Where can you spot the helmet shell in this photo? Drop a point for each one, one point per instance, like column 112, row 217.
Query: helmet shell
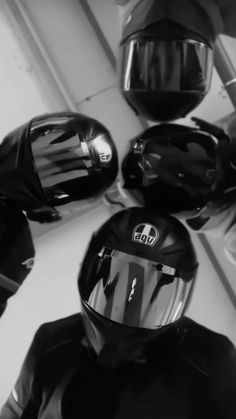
column 141, row 235
column 17, row 250
column 174, row 168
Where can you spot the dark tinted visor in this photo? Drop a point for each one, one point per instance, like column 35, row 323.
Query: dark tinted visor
column 136, row 292
column 59, row 154
column 186, row 163
column 166, row 65
column 69, row 165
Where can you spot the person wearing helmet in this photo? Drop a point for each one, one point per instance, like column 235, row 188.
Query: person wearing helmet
column 131, row 352
column 188, row 172
column 54, row 160
column 49, row 162
column 166, row 53
column 16, row 251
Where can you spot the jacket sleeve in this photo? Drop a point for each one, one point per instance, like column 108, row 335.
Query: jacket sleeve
column 224, row 380
column 214, row 354
column 25, row 390
column 26, row 398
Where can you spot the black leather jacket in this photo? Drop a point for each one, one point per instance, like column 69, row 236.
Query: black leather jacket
column 189, row 379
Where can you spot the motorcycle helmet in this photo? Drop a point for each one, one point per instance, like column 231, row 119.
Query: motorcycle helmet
column 166, row 66
column 16, row 251
column 135, row 281
column 177, row 169
column 56, row 159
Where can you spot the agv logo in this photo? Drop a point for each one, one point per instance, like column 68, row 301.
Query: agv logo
column 103, row 148
column 146, row 234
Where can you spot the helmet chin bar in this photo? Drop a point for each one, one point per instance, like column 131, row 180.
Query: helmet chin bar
column 113, row 349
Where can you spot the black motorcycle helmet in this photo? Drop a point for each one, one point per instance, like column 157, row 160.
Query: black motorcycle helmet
column 177, row 169
column 56, row 159
column 165, row 67
column 16, row 250
column 135, row 281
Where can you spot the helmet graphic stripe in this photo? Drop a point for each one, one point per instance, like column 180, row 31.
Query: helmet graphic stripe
column 134, row 295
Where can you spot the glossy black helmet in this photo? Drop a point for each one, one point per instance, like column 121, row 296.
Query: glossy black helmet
column 56, row 159
column 176, row 169
column 136, row 279
column 165, row 67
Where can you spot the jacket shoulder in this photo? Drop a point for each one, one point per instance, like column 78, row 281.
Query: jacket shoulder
column 214, row 355
column 206, row 348
column 58, row 332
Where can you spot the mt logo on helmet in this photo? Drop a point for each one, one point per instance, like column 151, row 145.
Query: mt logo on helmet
column 146, row 234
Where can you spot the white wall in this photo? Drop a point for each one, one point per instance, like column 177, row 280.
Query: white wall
column 20, row 98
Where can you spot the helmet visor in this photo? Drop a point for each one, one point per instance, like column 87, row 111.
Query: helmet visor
column 59, row 154
column 136, row 292
column 166, row 65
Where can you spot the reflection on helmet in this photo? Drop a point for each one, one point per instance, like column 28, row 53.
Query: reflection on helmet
column 174, row 169
column 136, row 279
column 165, row 70
column 56, row 159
